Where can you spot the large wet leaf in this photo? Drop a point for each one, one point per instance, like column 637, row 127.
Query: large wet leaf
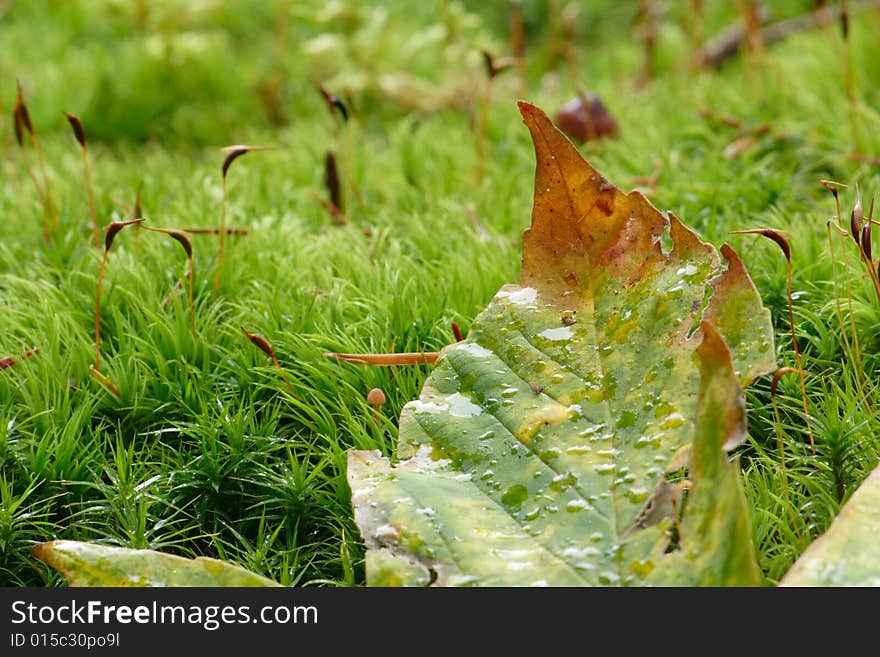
column 90, row 564
column 550, row 446
column 848, row 553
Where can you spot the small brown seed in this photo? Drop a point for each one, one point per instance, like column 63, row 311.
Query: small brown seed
column 375, row 398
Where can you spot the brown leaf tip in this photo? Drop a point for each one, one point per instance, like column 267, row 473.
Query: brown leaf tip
column 331, row 180
column 179, row 235
column 21, row 114
column 236, row 151
column 778, row 374
column 114, row 227
column 334, row 104
column 17, row 125
column 495, row 65
column 866, row 241
column 777, row 236
column 260, row 342
column 77, row 126
column 41, row 551
column 856, row 217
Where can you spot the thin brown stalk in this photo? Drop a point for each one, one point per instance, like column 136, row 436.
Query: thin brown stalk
column 27, row 165
column 335, row 106
column 569, row 21
column 183, row 239
column 137, row 211
column 26, row 122
column 518, row 42
column 210, row 230
column 647, row 29
column 266, row 347
column 92, row 210
column 779, row 441
column 178, row 284
column 865, row 251
column 848, row 76
column 222, row 236
column 854, row 347
column 101, row 269
column 112, row 229
column 749, row 11
column 352, row 188
column 404, row 358
column 7, row 144
column 331, row 209
column 782, row 242
column 104, row 381
column 694, row 24
column 493, row 68
column 340, row 115
column 232, row 153
column 483, row 126
column 860, row 230
column 852, row 320
column 21, row 122
column 80, row 135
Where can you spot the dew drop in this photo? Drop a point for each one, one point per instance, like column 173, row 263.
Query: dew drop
column 557, row 334
column 563, row 481
column 672, row 420
column 637, row 494
column 608, row 578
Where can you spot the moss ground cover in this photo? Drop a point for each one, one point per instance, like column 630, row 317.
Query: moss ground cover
column 207, row 450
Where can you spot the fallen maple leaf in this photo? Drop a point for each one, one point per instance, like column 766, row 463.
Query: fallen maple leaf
column 543, row 448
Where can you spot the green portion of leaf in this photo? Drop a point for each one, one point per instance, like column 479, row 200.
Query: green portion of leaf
column 539, row 449
column 425, row 518
column 848, row 554
column 90, row 564
column 715, row 548
column 390, row 570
